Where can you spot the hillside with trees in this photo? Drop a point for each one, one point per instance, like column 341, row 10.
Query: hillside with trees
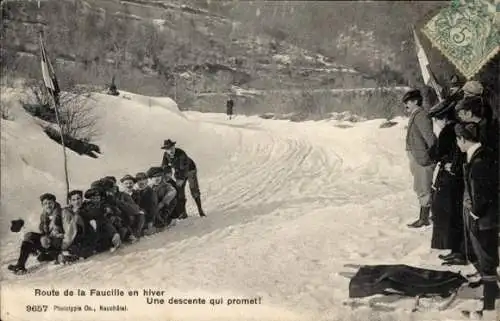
column 198, row 52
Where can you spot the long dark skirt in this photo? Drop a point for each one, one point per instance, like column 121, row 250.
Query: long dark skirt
column 447, row 232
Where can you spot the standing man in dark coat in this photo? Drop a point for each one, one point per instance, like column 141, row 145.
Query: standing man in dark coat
column 481, row 209
column 229, row 108
column 185, row 171
column 419, row 139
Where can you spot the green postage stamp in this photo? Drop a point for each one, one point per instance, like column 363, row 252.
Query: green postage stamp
column 466, row 33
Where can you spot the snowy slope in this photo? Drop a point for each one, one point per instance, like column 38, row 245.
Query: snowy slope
column 288, row 204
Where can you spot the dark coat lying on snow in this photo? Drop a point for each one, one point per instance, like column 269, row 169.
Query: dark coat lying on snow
column 76, row 145
column 404, row 280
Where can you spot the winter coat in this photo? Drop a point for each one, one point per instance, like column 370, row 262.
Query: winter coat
column 489, row 135
column 51, row 224
column 126, row 204
column 181, row 163
column 481, row 187
column 420, row 137
column 166, row 192
column 72, row 222
column 92, row 211
column 135, row 196
column 445, row 150
column 147, row 201
column 446, row 205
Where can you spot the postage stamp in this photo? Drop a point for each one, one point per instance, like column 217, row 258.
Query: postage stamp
column 466, row 33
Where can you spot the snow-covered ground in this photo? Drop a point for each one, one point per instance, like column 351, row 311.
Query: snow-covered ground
column 288, row 204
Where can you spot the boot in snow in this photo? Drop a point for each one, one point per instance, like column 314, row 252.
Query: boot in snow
column 423, row 220
column 66, row 258
column 490, row 294
column 132, row 238
column 182, row 209
column 116, row 242
column 197, row 200
column 17, row 269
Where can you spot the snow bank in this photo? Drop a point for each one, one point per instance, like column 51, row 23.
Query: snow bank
column 132, row 132
column 288, row 204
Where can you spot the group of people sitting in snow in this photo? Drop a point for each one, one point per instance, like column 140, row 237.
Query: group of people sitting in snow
column 106, row 216
column 453, row 153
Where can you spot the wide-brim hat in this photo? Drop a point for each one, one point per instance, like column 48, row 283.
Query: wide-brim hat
column 445, row 106
column 168, row 144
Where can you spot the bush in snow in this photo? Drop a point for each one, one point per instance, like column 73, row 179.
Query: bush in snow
column 77, row 111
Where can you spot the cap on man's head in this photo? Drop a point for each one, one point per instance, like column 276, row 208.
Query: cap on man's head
column 97, row 183
column 47, row 196
column 471, row 103
column 75, row 192
column 473, row 87
column 111, row 178
column 127, row 178
column 468, row 131
column 93, row 191
column 413, row 94
column 141, row 176
column 155, row 171
column 106, row 184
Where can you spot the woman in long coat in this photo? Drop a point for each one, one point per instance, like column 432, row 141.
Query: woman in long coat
column 446, row 206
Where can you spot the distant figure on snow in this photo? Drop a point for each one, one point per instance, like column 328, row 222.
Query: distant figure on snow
column 229, row 108
column 419, row 139
column 113, row 91
column 185, row 170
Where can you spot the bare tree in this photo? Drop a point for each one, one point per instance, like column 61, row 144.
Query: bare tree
column 78, row 116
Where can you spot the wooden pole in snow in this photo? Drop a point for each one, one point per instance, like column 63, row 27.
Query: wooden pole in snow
column 50, row 81
column 58, row 119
